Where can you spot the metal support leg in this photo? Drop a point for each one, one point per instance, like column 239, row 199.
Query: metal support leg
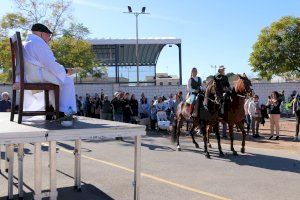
column 10, row 160
column 6, row 155
column 77, row 171
column 20, row 170
column 52, row 162
column 137, row 167
column 37, row 171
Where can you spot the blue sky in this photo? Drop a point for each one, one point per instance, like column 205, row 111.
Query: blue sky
column 213, row 32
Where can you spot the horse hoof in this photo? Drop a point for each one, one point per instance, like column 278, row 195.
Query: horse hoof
column 221, row 154
column 242, row 150
column 235, row 153
column 209, row 145
column 207, row 156
column 178, row 148
column 197, row 146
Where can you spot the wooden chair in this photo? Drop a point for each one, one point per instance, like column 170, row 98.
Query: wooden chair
column 18, row 68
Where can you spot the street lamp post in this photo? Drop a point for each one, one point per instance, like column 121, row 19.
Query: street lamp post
column 137, row 36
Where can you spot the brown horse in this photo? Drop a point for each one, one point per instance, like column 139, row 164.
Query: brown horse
column 212, row 116
column 182, row 113
column 234, row 113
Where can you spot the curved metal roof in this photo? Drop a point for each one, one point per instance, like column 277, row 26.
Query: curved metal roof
column 121, row 52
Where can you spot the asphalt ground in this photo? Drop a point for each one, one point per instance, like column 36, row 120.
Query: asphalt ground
column 259, row 174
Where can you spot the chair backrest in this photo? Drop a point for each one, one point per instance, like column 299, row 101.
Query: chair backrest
column 17, row 58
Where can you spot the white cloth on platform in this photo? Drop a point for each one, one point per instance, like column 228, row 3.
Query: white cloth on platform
column 41, row 66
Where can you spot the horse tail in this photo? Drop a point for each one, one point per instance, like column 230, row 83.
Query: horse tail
column 174, row 130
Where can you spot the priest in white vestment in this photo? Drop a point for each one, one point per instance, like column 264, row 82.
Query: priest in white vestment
column 41, row 66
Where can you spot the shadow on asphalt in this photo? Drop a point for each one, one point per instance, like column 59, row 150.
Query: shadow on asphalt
column 150, row 146
column 267, row 162
column 89, row 192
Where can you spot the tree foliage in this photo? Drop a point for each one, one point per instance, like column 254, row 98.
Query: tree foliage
column 78, row 31
column 5, row 60
column 69, row 45
column 54, row 14
column 75, row 53
column 277, row 50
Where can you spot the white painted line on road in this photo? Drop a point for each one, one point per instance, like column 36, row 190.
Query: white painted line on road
column 153, row 177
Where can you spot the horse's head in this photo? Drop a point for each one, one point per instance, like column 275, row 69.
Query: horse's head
column 214, row 87
column 243, row 85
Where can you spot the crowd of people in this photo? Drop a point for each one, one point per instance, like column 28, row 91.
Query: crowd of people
column 256, row 113
column 125, row 107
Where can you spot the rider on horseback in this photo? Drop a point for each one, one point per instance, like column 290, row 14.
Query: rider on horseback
column 225, row 85
column 193, row 87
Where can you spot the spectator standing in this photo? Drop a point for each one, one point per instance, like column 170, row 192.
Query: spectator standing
column 144, row 108
column 143, row 97
column 127, row 112
column 180, row 95
column 153, row 117
column 176, row 102
column 247, row 115
column 5, row 105
column 160, row 105
column 170, row 105
column 98, row 105
column 264, row 114
column 117, row 104
column 86, row 102
column 90, row 107
column 106, row 109
column 134, row 104
column 224, row 129
column 254, row 110
column 274, row 113
column 296, row 112
column 80, row 106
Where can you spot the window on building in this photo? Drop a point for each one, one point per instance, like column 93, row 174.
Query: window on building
column 170, row 83
column 161, row 83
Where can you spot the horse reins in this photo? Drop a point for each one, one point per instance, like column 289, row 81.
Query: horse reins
column 212, row 100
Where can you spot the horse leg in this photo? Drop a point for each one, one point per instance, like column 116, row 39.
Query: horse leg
column 205, row 137
column 231, row 139
column 209, row 130
column 241, row 127
column 179, row 122
column 192, row 131
column 174, row 131
column 221, row 154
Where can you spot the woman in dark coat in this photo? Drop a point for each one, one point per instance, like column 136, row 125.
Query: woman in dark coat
column 127, row 109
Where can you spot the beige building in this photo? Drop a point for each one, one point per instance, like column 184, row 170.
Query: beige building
column 164, row 79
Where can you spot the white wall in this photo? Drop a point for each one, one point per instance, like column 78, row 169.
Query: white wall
column 263, row 90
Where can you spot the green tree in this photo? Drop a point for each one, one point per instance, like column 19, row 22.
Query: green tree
column 75, row 53
column 277, row 50
column 54, row 14
column 78, row 31
column 71, row 50
column 5, row 60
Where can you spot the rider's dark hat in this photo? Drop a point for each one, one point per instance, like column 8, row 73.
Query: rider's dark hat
column 41, row 28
